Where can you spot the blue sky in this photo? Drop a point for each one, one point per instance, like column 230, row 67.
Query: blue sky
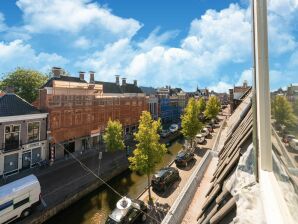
column 177, row 43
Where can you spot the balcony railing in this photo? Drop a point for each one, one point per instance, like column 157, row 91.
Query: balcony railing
column 11, row 147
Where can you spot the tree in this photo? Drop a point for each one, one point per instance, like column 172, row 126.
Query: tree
column 24, row 82
column 295, row 107
column 113, row 137
column 212, row 107
column 282, row 111
column 201, row 105
column 149, row 151
column 190, row 120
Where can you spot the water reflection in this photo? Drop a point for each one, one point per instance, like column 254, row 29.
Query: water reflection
column 95, row 207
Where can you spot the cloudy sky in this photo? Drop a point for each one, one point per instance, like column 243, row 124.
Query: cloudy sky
column 169, row 42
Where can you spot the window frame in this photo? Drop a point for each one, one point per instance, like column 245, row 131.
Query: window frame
column 39, row 126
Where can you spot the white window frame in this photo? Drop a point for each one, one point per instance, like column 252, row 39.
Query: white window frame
column 38, row 130
column 20, row 131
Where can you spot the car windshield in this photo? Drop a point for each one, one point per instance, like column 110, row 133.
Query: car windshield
column 181, row 154
column 160, row 173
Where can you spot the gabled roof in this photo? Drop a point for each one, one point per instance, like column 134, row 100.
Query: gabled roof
column 13, row 105
column 49, row 83
column 109, row 87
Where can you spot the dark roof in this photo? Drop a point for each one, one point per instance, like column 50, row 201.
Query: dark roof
column 13, row 105
column 49, row 83
column 130, row 88
column 109, row 87
column 148, row 90
column 220, row 205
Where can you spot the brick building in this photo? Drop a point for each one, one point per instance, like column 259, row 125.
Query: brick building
column 237, row 94
column 79, row 110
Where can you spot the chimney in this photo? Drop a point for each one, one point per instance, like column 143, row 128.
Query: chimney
column 135, row 82
column 91, row 77
column 123, row 81
column 56, row 72
column 117, row 80
column 82, row 74
column 245, row 83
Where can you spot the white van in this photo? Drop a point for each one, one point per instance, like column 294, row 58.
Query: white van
column 294, row 144
column 18, row 198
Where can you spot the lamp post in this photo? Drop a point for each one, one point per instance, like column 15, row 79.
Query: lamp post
column 99, row 158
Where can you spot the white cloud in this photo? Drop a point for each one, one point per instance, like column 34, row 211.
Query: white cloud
column 82, row 42
column 73, row 16
column 246, row 75
column 2, row 22
column 17, row 54
column 221, row 87
column 155, row 39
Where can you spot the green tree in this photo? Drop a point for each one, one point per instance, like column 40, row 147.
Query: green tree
column 149, row 151
column 24, row 82
column 201, row 105
column 282, row 111
column 212, row 107
column 295, row 107
column 113, row 137
column 190, row 120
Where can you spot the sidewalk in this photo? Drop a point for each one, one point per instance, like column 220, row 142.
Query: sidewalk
column 67, row 181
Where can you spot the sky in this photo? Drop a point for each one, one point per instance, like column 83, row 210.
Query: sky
column 204, row 43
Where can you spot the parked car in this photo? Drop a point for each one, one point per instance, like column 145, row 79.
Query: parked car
column 18, row 198
column 173, row 128
column 183, row 158
column 164, row 133
column 200, row 139
column 287, row 138
column 128, row 211
column 210, row 129
column 205, row 132
column 164, row 178
column 294, row 144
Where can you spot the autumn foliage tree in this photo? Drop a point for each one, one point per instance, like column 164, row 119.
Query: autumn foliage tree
column 149, row 152
column 113, row 137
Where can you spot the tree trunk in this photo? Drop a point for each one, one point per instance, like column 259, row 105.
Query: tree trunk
column 149, row 190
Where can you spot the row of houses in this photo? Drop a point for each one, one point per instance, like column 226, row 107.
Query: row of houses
column 71, row 113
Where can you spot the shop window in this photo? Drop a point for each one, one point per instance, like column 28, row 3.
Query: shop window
column 33, row 131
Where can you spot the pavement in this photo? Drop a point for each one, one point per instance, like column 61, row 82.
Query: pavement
column 162, row 202
column 67, row 177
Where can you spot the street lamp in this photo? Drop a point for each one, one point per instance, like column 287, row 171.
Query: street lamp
column 99, row 158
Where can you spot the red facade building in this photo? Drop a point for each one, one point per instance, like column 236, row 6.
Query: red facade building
column 79, row 110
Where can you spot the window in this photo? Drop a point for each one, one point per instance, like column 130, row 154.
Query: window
column 12, row 137
column 20, row 203
column 33, row 131
column 6, row 205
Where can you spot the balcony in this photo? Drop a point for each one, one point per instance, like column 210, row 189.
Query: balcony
column 12, row 146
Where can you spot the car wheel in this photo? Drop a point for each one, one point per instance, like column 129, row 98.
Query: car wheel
column 26, row 213
column 144, row 217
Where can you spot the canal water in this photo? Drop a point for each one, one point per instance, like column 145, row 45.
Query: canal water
column 95, row 207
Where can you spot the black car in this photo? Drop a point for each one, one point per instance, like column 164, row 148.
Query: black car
column 183, row 158
column 164, row 178
column 133, row 211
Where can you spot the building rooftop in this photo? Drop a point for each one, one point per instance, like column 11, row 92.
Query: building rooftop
column 13, row 105
column 49, row 83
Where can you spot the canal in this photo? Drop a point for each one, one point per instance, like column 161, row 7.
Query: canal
column 95, row 207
